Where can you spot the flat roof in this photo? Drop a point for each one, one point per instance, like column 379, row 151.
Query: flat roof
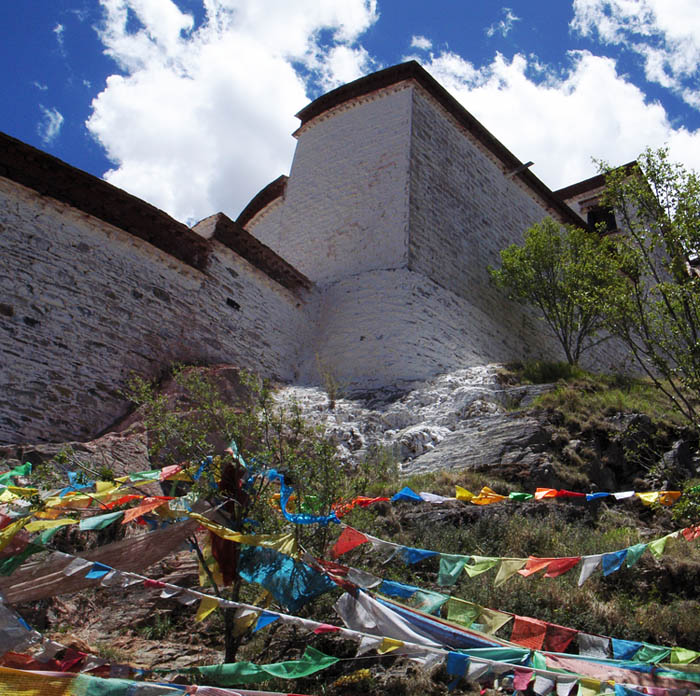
column 53, row 177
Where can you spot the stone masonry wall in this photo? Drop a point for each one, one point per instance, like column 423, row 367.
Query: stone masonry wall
column 464, row 209
column 390, row 328
column 82, row 304
column 345, row 208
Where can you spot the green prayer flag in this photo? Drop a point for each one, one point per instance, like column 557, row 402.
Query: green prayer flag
column 491, row 619
column 153, row 475
column 99, row 521
column 538, row 660
column 657, row 546
column 520, row 496
column 651, row 653
column 634, row 553
column 480, row 565
column 247, row 672
column 683, row 656
column 427, row 601
column 21, row 470
column 450, row 568
column 462, row 612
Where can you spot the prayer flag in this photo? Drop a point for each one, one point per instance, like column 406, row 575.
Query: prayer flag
column 348, row 540
column 528, row 632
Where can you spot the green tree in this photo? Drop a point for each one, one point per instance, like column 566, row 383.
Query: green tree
column 656, row 310
column 267, row 436
column 562, row 270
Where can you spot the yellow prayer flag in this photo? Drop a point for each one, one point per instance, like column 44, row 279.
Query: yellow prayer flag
column 8, row 533
column 40, row 525
column 206, row 607
column 508, row 568
column 389, row 645
column 588, row 686
column 648, row 498
column 463, row 493
column 487, row 496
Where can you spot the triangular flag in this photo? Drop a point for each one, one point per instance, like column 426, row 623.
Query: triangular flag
column 557, row 638
column 450, row 568
column 559, row 566
column 683, row 656
column 658, row 545
column 613, row 561
column 543, row 685
column 624, row 649
column 588, row 686
column 588, row 565
column 534, row 565
column 634, row 553
column 463, row 494
column 479, row 565
column 348, row 540
column 265, row 619
column 368, row 643
column 528, row 632
column 508, row 568
column 462, row 612
column 486, row 497
column 593, row 646
column 206, row 606
column 389, row 645
column 521, row 678
column 491, row 619
column 564, row 685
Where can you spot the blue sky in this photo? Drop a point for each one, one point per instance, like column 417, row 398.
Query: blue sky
column 190, row 104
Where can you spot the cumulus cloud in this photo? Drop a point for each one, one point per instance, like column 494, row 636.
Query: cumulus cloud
column 663, row 33
column 504, row 26
column 562, row 121
column 421, row 43
column 202, row 118
column 50, row 124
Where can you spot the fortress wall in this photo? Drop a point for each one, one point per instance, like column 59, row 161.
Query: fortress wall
column 384, row 328
column 464, row 210
column 345, row 208
column 83, row 303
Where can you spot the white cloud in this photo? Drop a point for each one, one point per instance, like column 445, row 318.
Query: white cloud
column 663, row 33
column 561, row 122
column 201, row 119
column 58, row 30
column 40, row 86
column 421, row 43
column 505, row 25
column 50, row 125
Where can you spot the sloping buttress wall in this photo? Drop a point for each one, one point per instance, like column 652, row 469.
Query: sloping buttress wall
column 345, row 208
column 83, row 304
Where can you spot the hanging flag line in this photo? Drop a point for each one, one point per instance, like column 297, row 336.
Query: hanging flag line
column 526, row 631
column 416, row 649
column 452, row 565
column 38, row 683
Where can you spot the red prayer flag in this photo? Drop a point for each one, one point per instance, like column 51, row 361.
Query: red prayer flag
column 559, row 566
column 535, row 564
column 167, row 471
column 521, row 678
column 155, row 584
column 348, row 540
column 557, row 638
column 326, row 628
column 570, row 494
column 528, row 632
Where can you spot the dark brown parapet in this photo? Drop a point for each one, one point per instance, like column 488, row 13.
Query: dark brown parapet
column 52, row 177
column 264, row 197
column 232, row 235
column 411, row 70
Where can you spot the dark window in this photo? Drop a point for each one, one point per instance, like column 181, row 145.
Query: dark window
column 604, row 215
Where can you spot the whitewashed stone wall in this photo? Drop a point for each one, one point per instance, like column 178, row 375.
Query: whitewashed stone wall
column 389, row 328
column 345, row 209
column 82, row 304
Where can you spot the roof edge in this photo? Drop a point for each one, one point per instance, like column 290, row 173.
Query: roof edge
column 412, row 70
column 50, row 176
column 275, row 189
